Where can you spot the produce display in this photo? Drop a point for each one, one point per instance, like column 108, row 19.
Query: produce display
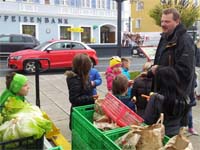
column 20, row 119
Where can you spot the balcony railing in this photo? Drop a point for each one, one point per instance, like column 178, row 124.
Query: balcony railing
column 47, row 9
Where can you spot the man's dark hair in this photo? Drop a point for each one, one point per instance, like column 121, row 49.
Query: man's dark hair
column 173, row 11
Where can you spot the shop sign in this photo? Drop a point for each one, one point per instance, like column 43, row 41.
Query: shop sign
column 31, row 19
column 75, row 29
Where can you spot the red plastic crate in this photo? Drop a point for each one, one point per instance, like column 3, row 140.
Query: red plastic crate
column 119, row 112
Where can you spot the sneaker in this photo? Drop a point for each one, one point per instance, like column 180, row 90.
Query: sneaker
column 192, row 131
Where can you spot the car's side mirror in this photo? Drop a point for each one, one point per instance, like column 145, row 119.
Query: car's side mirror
column 48, row 49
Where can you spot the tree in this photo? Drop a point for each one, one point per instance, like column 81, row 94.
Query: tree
column 189, row 11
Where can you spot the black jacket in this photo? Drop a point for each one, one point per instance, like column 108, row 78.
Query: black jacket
column 142, row 85
column 177, row 50
column 77, row 95
column 155, row 107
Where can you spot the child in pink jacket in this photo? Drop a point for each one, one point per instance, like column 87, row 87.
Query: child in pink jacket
column 112, row 71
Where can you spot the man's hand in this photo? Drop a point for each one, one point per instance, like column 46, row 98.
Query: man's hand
column 153, row 69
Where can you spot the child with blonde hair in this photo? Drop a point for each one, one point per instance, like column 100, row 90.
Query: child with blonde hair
column 112, row 71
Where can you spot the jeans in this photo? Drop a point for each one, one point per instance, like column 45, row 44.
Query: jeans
column 190, row 119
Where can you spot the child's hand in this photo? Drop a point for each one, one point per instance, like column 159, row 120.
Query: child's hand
column 143, row 74
column 145, row 96
column 130, row 83
column 95, row 97
column 134, row 100
column 93, row 83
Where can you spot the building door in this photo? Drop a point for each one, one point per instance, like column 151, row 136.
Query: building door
column 107, row 34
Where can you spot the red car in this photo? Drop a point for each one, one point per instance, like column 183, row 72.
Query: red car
column 60, row 54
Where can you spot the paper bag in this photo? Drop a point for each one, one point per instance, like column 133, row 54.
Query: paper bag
column 179, row 142
column 129, row 140
column 152, row 136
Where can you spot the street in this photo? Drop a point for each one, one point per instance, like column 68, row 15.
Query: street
column 136, row 64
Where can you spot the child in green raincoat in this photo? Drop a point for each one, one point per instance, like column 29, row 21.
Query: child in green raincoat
column 16, row 86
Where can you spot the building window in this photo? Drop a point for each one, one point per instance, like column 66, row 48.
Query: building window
column 86, row 3
column 64, row 2
column 56, row 2
column 113, row 5
column 108, row 4
column 46, row 2
column 93, row 3
column 29, row 29
column 65, row 34
column 101, row 4
column 86, row 35
column 139, row 6
column 138, row 23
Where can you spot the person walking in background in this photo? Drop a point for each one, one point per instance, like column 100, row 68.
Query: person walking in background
column 125, row 71
column 177, row 50
column 192, row 95
column 169, row 100
column 120, row 89
column 142, row 85
column 197, row 69
column 112, row 71
column 16, row 86
column 78, row 82
column 95, row 79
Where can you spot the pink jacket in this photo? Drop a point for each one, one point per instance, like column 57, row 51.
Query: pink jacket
column 110, row 75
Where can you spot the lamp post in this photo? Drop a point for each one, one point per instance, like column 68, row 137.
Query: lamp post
column 119, row 18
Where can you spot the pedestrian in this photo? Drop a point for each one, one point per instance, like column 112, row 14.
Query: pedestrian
column 95, row 79
column 16, row 86
column 78, row 82
column 197, row 69
column 120, row 89
column 175, row 49
column 169, row 100
column 142, row 86
column 112, row 71
column 125, row 71
column 190, row 117
column 192, row 94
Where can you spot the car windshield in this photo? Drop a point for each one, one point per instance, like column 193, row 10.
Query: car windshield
column 41, row 46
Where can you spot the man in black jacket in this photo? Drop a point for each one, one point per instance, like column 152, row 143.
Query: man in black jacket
column 176, row 48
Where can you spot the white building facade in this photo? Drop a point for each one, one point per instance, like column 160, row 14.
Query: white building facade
column 89, row 21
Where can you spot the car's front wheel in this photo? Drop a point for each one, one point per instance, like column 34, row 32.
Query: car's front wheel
column 29, row 67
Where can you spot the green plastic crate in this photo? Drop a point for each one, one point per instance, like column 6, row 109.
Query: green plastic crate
column 56, row 148
column 82, row 125
column 78, row 143
column 86, row 136
column 111, row 137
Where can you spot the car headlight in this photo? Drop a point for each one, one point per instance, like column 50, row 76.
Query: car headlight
column 16, row 57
